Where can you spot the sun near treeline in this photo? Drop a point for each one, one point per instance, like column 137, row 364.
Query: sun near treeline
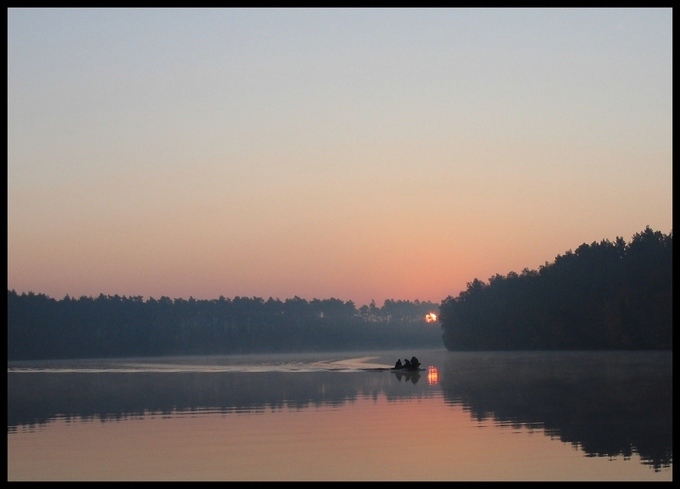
column 607, row 295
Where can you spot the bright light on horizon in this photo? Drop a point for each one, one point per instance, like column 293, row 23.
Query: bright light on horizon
column 430, row 317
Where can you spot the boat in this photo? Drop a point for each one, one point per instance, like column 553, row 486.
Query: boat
column 408, row 374
column 409, row 366
column 408, row 369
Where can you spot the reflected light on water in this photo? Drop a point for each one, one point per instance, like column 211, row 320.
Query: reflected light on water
column 492, row 416
column 432, row 375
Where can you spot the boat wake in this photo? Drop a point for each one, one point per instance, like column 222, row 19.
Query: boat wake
column 222, row 364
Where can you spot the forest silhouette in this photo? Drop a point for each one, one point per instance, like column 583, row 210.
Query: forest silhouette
column 40, row 327
column 602, row 296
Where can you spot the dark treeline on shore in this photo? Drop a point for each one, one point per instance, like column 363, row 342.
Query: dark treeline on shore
column 602, row 296
column 40, row 327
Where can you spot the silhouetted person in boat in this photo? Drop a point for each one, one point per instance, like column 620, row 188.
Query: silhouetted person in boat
column 414, row 362
column 407, row 364
column 398, row 364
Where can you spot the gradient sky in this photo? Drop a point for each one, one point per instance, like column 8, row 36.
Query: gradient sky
column 357, row 154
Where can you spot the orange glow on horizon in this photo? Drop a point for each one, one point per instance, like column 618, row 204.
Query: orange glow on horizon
column 430, row 317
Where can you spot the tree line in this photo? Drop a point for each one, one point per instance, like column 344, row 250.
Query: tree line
column 606, row 295
column 41, row 327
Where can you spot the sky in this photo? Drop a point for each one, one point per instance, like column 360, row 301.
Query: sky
column 356, row 154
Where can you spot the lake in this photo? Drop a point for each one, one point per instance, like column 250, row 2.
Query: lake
column 468, row 416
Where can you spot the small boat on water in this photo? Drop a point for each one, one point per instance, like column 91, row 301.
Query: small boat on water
column 412, row 365
column 411, row 374
column 408, row 369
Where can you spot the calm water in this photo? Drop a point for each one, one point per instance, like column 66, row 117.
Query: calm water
column 468, row 416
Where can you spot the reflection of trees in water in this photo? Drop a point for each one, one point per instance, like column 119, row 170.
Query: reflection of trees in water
column 609, row 404
column 37, row 398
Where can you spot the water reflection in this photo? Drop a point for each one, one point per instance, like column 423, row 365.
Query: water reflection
column 37, row 398
column 432, row 375
column 407, row 376
column 607, row 404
